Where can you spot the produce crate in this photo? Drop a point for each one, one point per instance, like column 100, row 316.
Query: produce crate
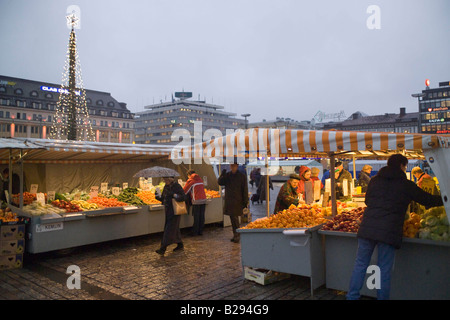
column 292, row 251
column 12, row 232
column 420, row 268
column 9, row 247
column 11, row 261
column 264, row 277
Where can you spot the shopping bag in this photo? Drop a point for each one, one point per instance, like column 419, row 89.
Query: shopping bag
column 179, row 208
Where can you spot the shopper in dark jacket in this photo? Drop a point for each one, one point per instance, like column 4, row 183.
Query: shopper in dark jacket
column 236, row 196
column 172, row 234
column 387, row 199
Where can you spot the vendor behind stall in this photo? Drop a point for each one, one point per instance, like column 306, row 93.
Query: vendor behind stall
column 15, row 184
column 340, row 175
column 287, row 194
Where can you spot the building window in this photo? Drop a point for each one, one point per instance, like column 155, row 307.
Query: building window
column 111, row 104
column 99, row 102
column 33, row 94
column 49, row 96
column 18, row 91
column 2, row 89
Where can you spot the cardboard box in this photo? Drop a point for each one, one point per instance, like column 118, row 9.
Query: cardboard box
column 12, row 232
column 11, row 247
column 11, row 261
column 263, row 276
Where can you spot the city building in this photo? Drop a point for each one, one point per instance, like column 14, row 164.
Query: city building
column 27, row 108
column 434, row 108
column 281, row 123
column 401, row 122
column 157, row 123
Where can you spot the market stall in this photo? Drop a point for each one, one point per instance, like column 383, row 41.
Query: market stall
column 92, row 189
column 261, row 144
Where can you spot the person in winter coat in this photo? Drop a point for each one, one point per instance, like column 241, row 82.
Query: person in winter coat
column 364, row 178
column 420, row 175
column 261, row 191
column 236, row 196
column 340, row 175
column 172, row 234
column 387, row 198
column 195, row 190
column 305, row 185
column 288, row 194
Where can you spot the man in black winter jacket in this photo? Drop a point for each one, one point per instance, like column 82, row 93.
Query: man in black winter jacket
column 387, row 198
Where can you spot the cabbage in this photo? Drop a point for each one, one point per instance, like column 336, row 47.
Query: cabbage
column 434, row 212
column 443, row 219
column 425, row 233
column 436, row 237
column 431, row 221
column 439, row 229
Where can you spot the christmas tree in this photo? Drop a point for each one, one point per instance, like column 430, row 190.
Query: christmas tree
column 71, row 119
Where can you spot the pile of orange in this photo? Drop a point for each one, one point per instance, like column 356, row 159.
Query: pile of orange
column 411, row 226
column 7, row 216
column 212, row 194
column 107, row 202
column 28, row 198
column 148, row 197
column 294, row 217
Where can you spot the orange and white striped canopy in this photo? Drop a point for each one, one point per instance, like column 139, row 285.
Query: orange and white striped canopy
column 260, row 142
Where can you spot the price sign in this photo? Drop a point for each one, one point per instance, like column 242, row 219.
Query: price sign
column 345, row 187
column 205, row 180
column 51, row 195
column 317, row 185
column 429, row 186
column 40, row 198
column 115, row 191
column 34, row 188
column 328, row 185
column 94, row 191
column 104, row 187
column 124, row 185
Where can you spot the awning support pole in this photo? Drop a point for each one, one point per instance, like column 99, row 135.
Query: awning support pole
column 333, row 186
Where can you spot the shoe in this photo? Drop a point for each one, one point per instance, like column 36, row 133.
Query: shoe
column 179, row 247
column 235, row 239
column 160, row 251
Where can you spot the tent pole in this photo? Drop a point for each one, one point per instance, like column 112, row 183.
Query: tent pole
column 354, row 168
column 267, row 187
column 333, row 186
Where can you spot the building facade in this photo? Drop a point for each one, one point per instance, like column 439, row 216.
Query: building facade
column 401, row 122
column 156, row 124
column 27, row 108
column 282, row 123
column 434, row 109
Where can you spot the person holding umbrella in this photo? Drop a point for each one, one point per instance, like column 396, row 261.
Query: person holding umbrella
column 172, row 190
column 172, row 234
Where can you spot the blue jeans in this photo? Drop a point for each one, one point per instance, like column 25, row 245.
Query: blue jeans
column 386, row 255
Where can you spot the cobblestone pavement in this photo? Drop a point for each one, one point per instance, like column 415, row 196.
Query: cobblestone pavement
column 209, row 268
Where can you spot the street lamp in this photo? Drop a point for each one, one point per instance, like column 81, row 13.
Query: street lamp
column 246, row 115
column 418, row 96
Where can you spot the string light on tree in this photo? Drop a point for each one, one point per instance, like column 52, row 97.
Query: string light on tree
column 71, row 120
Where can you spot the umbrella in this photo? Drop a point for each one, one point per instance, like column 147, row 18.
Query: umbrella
column 156, row 172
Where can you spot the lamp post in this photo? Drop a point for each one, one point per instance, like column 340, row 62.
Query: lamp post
column 246, row 115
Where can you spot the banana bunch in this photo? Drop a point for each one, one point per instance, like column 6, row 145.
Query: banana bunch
column 85, row 205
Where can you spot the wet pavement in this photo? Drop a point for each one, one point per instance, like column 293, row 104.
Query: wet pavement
column 209, row 268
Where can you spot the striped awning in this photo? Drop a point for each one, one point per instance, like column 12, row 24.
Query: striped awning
column 64, row 151
column 258, row 142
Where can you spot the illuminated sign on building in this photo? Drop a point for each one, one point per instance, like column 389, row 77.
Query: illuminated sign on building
column 59, row 90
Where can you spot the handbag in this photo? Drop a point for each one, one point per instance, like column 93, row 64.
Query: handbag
column 179, row 208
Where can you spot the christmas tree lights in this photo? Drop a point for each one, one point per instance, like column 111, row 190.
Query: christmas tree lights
column 71, row 120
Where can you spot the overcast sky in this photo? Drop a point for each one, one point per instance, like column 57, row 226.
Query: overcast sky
column 277, row 58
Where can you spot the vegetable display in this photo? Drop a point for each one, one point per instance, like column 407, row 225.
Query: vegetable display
column 346, row 221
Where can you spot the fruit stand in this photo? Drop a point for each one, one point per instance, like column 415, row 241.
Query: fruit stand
column 75, row 218
column 267, row 245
